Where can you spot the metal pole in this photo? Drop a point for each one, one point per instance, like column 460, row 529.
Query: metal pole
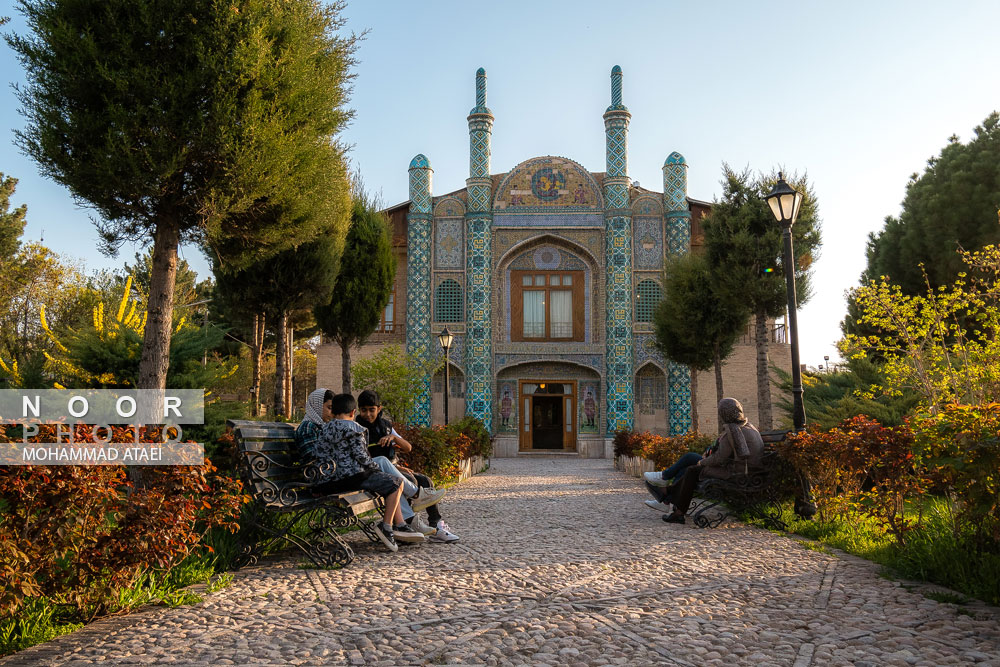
column 446, row 386
column 798, row 407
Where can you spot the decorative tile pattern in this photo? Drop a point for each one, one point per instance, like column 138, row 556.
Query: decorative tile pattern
column 456, row 353
column 542, row 363
column 678, row 221
column 679, row 387
column 648, row 233
column 418, row 279
column 549, row 182
column 646, row 352
column 618, row 263
column 559, row 260
column 479, row 349
column 449, row 243
column 479, row 263
column 648, row 205
column 619, row 323
column 504, row 219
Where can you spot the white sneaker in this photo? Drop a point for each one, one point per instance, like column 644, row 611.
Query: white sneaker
column 443, row 533
column 659, row 507
column 655, row 478
column 407, row 534
column 425, row 498
column 418, row 525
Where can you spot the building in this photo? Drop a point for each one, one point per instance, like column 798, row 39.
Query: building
column 548, row 275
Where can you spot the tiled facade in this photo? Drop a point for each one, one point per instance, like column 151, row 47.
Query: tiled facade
column 546, row 214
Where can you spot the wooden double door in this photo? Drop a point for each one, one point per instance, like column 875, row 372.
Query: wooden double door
column 548, row 415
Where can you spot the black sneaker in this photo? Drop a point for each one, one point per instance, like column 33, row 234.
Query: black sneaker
column 405, row 533
column 385, row 534
column 673, row 518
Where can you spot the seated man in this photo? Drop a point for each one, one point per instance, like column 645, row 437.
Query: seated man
column 383, row 441
column 740, row 449
column 329, row 434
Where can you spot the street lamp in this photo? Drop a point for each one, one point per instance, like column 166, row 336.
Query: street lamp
column 445, row 339
column 785, row 202
column 826, row 358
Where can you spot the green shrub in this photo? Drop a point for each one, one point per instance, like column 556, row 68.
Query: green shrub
column 437, row 450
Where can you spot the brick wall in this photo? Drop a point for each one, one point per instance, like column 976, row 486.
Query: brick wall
column 739, row 378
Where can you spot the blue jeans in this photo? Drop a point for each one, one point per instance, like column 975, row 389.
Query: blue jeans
column 409, row 488
column 676, row 471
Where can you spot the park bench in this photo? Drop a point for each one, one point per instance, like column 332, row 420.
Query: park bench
column 758, row 494
column 284, row 507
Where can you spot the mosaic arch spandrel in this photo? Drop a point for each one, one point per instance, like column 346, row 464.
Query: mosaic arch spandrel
column 548, row 182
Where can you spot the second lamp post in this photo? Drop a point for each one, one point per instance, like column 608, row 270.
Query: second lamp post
column 445, row 339
column 785, row 202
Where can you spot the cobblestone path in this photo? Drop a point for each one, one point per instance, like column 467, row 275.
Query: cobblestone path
column 559, row 563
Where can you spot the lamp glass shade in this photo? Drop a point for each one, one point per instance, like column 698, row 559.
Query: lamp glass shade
column 775, row 205
column 445, row 338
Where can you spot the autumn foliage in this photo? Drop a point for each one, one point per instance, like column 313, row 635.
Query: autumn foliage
column 78, row 534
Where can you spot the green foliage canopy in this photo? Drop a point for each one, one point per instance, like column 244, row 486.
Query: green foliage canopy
column 694, row 324
column 953, row 204
column 365, row 279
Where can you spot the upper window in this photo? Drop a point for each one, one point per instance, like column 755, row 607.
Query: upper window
column 547, row 305
column 389, row 314
column 649, row 294
column 448, row 302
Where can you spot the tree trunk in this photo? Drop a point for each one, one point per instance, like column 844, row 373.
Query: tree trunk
column 290, row 373
column 155, row 358
column 763, row 373
column 694, row 400
column 345, row 362
column 257, row 357
column 280, row 361
column 719, row 391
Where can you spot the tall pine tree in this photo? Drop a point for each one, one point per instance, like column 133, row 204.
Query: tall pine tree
column 694, row 324
column 363, row 286
column 743, row 241
column 181, row 120
column 953, row 204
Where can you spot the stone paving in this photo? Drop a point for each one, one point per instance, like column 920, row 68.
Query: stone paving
column 560, row 563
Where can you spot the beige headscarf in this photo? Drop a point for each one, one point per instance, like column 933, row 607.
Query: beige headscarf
column 731, row 421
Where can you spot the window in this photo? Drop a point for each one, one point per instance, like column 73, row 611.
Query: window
column 388, row 315
column 547, row 306
column 649, row 295
column 448, row 302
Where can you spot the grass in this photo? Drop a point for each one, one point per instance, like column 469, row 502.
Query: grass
column 43, row 619
column 933, row 553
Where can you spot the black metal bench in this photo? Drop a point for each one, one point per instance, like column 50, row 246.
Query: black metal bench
column 284, row 507
column 758, row 494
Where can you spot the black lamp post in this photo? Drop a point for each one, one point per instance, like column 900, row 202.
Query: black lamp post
column 445, row 339
column 785, row 202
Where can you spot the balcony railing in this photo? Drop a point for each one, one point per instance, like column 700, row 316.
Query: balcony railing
column 776, row 334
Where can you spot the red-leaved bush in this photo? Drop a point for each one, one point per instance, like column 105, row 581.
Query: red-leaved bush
column 77, row 534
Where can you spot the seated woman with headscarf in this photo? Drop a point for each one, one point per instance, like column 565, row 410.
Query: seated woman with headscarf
column 740, row 449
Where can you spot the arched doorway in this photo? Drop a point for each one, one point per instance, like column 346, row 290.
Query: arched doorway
column 456, row 398
column 651, row 412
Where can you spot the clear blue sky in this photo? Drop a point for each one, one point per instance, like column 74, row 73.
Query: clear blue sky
column 858, row 94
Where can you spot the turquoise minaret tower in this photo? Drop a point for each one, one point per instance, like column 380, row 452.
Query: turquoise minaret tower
column 618, row 257
column 418, row 277
column 479, row 262
column 678, row 215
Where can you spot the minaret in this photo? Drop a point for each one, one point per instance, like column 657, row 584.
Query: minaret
column 619, row 366
column 678, row 221
column 479, row 262
column 418, row 278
